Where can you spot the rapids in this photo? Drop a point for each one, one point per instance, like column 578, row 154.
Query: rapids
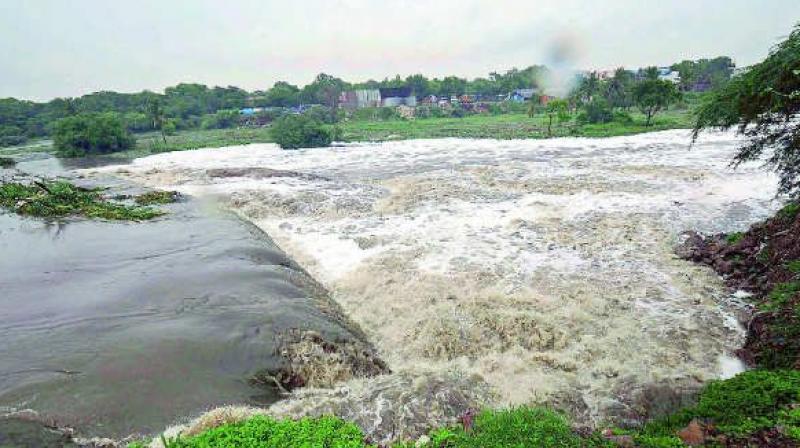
column 541, row 271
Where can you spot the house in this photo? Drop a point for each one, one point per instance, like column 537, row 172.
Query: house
column 667, row 74
column 393, row 97
column 545, row 99
column 521, row 95
column 429, row 100
column 357, row 99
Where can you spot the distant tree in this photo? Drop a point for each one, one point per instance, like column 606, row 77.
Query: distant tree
column 556, row 109
column 653, row 95
column 452, row 85
column 326, row 90
column 300, row 131
column 419, row 84
column 650, row 73
column 763, row 104
column 283, row 94
column 91, row 133
column 619, row 88
column 157, row 116
column 588, row 86
column 596, row 111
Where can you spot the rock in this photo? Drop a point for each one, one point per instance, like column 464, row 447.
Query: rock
column 693, row 434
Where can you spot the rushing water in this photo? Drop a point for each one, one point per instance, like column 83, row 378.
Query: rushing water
column 542, row 267
column 121, row 328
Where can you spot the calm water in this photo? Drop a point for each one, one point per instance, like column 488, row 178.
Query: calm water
column 121, row 328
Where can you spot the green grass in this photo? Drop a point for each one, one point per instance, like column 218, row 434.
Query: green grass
column 518, row 427
column 506, row 126
column 157, row 198
column 734, row 238
column 60, row 199
column 737, row 407
column 790, row 211
column 266, row 432
column 746, row 403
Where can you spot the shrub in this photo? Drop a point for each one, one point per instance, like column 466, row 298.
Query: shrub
column 266, row 432
column 597, row 111
column 300, row 131
column 621, row 116
column 58, row 199
column 222, row 119
column 88, row 134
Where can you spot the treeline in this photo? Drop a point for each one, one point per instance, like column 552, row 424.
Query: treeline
column 192, row 106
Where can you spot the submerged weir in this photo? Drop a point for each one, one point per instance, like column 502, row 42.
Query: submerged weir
column 500, row 272
column 114, row 328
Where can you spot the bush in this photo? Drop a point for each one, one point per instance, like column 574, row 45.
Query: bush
column 92, row 133
column 222, row 119
column 597, row 111
column 300, row 131
column 623, row 117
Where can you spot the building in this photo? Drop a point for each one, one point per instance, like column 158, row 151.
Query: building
column 521, row 95
column 357, row 99
column 393, row 97
column 667, row 74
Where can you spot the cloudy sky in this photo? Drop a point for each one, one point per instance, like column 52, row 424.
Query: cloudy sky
column 52, row 48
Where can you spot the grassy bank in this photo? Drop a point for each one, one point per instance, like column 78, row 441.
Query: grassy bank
column 755, row 408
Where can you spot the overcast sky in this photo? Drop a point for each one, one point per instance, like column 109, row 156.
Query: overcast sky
column 52, row 48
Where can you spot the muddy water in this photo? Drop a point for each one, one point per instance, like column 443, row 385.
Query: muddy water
column 543, row 268
column 124, row 328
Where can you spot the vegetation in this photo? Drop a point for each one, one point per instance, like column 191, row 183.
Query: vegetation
column 157, row 197
column 90, row 134
column 653, row 95
column 266, row 432
column 763, row 104
column 59, row 199
column 301, row 131
column 738, row 408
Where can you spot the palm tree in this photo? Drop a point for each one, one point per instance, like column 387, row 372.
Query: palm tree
column 156, row 114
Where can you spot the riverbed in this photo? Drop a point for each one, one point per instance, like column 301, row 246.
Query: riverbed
column 543, row 270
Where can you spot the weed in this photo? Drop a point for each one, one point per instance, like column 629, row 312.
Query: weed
column 734, row 238
column 59, row 199
column 157, row 198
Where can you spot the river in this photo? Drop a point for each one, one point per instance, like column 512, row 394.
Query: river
column 542, row 270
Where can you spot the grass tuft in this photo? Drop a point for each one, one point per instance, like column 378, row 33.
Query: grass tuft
column 157, row 198
column 59, row 199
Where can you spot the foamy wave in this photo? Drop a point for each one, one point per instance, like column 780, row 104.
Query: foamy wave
column 544, row 267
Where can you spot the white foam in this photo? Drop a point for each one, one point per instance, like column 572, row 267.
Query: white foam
column 545, row 266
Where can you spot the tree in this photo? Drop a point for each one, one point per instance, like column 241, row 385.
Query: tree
column 325, row 89
column 618, row 89
column 653, row 95
column 556, row 109
column 91, row 133
column 283, row 94
column 156, row 114
column 763, row 104
column 300, row 131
